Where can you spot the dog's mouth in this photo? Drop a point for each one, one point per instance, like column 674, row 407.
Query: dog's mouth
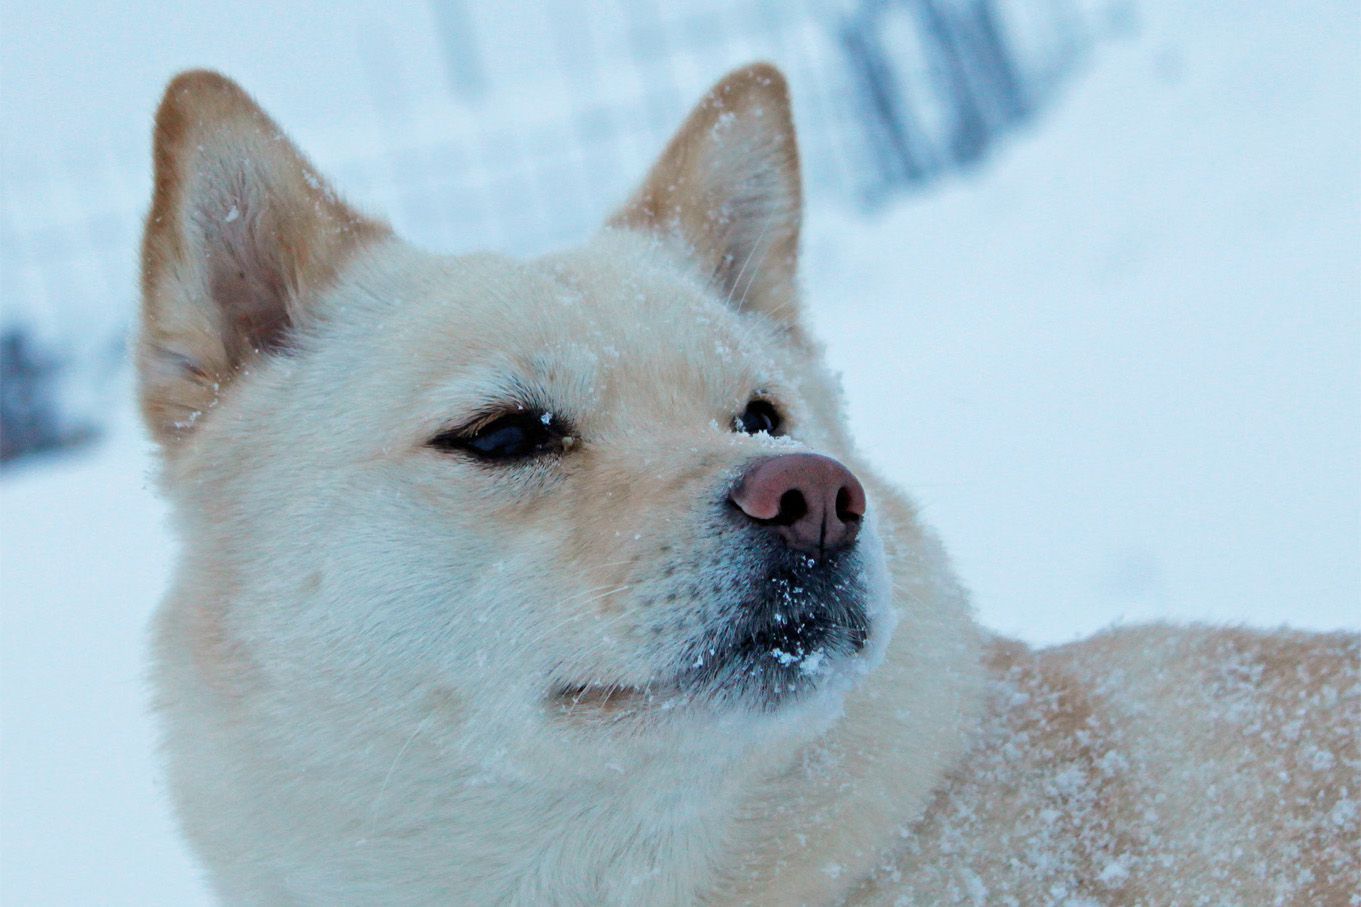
column 790, row 638
column 773, row 661
column 764, row 671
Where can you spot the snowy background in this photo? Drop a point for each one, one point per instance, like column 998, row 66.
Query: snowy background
column 1115, row 354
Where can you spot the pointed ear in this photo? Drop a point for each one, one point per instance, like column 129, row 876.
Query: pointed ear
column 241, row 237
column 727, row 190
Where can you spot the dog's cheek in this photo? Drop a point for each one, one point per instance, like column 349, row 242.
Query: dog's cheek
column 218, row 656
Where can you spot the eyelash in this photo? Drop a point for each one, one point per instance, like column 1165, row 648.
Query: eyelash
column 506, row 437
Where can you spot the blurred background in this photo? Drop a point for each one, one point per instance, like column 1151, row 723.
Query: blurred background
column 1090, row 269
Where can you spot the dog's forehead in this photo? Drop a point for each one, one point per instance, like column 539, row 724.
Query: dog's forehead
column 602, row 326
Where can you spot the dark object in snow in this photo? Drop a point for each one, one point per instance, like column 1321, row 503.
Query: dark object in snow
column 938, row 84
column 29, row 420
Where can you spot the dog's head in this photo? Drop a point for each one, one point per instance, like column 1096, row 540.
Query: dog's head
column 605, row 488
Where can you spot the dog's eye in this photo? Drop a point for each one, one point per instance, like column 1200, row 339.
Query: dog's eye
column 514, row 436
column 759, row 416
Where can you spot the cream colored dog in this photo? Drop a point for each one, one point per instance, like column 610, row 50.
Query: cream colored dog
column 559, row 582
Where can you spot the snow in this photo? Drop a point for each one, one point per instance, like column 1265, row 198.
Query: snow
column 85, row 556
column 1120, row 367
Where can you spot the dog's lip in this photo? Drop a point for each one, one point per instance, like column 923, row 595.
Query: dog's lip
column 611, row 699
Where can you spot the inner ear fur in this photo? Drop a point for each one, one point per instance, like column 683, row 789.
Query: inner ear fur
column 241, row 237
column 727, row 190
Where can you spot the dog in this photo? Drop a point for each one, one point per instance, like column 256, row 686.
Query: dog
column 560, row 582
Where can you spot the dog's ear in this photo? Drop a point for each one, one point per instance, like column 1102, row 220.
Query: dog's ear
column 727, row 189
column 241, row 237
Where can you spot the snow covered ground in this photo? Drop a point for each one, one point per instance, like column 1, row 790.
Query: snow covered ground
column 1120, row 367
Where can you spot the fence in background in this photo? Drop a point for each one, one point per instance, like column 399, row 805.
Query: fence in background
column 889, row 95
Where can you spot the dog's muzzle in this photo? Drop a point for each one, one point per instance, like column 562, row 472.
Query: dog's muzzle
column 807, row 607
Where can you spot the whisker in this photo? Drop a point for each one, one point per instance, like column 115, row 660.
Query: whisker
column 392, row 770
column 737, row 281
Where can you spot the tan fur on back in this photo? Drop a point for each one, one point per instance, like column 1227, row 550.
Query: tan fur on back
column 393, row 671
column 1151, row 765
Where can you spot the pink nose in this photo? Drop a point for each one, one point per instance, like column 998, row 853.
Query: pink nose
column 813, row 502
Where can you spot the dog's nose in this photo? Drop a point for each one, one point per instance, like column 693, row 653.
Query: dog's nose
column 813, row 502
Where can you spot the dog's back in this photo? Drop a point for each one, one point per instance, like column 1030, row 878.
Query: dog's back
column 1152, row 765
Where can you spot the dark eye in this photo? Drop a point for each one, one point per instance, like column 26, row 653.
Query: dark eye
column 759, row 416
column 514, row 436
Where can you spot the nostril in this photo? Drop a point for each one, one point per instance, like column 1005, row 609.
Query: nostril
column 844, row 508
column 793, row 507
